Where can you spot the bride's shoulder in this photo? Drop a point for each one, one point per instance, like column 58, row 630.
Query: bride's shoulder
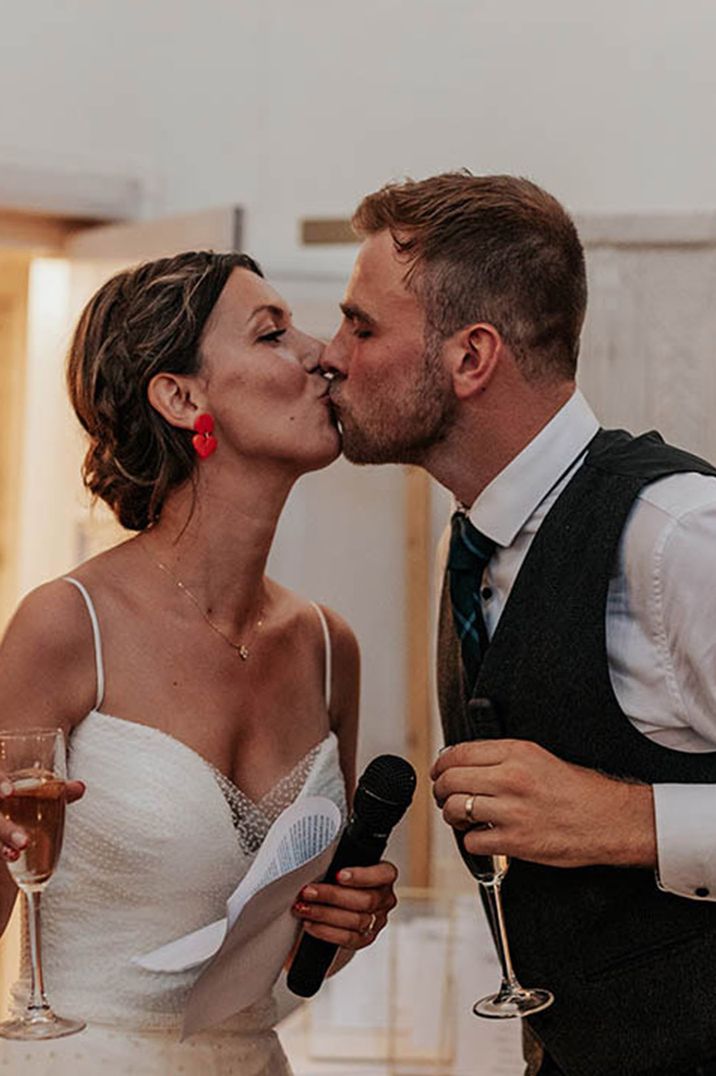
column 52, row 614
column 59, row 612
column 344, row 644
column 55, row 619
column 48, row 650
column 294, row 610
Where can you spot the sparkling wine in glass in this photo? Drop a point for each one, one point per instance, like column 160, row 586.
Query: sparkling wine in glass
column 511, row 999
column 34, row 762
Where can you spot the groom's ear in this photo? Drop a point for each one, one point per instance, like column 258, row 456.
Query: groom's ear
column 473, row 354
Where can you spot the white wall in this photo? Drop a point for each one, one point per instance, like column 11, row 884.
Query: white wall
column 296, row 108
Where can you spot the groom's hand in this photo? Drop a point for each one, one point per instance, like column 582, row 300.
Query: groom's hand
column 353, row 910
column 512, row 797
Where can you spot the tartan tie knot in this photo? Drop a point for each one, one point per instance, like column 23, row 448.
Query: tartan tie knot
column 470, row 549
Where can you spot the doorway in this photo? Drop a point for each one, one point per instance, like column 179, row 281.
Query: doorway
column 14, row 277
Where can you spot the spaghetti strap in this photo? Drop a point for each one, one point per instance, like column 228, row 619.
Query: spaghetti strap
column 97, row 637
column 327, row 638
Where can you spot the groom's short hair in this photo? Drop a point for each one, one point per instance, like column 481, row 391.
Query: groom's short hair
column 495, row 249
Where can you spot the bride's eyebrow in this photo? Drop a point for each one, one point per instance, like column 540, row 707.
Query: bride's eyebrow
column 276, row 311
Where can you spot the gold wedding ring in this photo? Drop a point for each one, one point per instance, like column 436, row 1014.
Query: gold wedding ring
column 469, row 804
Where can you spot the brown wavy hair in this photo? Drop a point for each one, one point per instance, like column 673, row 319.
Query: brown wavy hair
column 144, row 321
column 495, row 249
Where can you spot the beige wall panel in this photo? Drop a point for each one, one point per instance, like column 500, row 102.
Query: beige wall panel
column 648, row 348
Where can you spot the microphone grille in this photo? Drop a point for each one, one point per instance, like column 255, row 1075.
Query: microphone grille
column 390, row 779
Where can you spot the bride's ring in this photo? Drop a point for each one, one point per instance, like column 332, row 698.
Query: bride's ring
column 469, row 804
column 371, row 925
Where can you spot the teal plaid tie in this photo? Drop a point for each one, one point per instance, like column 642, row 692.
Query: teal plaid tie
column 470, row 550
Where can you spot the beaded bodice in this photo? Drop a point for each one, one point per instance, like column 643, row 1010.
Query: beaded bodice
column 253, row 819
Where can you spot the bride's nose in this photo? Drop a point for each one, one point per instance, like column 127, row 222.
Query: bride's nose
column 311, row 354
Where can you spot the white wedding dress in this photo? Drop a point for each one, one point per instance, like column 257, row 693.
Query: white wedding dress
column 152, row 851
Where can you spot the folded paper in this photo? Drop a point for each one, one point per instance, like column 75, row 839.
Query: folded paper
column 244, row 952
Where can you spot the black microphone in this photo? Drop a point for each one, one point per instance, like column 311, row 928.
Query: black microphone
column 381, row 799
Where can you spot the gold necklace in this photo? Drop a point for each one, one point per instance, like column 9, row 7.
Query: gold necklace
column 239, row 648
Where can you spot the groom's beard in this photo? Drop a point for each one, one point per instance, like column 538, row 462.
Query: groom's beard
column 391, row 429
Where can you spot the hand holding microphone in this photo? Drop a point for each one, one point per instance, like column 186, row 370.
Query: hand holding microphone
column 351, row 905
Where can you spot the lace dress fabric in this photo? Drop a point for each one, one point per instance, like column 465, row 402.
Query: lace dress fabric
column 151, row 852
column 252, row 820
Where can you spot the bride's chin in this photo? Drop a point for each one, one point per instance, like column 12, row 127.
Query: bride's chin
column 335, row 449
column 325, row 454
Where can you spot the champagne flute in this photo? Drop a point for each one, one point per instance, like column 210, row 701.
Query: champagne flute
column 511, row 999
column 34, row 760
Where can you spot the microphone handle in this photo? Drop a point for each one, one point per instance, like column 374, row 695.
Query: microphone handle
column 314, row 956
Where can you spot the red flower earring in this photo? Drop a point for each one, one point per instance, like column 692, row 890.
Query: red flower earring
column 203, row 440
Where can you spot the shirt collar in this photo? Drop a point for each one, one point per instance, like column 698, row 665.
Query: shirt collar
column 505, row 505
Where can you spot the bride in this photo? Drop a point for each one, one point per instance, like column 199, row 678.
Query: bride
column 198, row 697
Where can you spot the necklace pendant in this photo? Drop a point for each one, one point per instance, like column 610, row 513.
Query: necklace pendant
column 243, row 653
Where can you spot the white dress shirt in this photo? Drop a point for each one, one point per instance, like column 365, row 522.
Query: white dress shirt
column 660, row 618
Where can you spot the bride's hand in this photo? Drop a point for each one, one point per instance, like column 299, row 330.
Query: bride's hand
column 352, row 911
column 75, row 790
column 12, row 837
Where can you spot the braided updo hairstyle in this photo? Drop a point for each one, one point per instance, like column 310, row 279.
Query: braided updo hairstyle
column 144, row 321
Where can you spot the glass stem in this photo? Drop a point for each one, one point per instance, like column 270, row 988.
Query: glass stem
column 494, row 899
column 36, row 1001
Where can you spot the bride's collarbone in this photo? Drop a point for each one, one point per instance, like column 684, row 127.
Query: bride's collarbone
column 289, row 645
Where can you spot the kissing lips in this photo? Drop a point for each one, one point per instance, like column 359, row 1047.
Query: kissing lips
column 325, row 398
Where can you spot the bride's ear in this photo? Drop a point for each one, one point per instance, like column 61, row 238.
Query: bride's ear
column 173, row 397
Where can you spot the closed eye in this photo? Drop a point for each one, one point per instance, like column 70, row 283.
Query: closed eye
column 360, row 323
column 272, row 338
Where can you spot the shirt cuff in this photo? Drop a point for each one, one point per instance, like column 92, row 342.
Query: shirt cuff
column 685, row 817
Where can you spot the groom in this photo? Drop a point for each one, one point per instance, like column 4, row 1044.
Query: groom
column 578, row 596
